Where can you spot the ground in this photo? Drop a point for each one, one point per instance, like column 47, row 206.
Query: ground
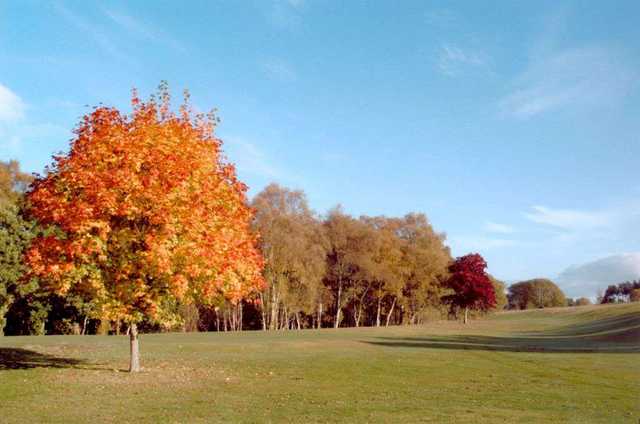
column 565, row 365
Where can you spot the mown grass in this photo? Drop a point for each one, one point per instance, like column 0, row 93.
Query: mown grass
column 568, row 365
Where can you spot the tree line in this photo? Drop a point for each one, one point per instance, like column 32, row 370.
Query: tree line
column 144, row 225
column 628, row 291
column 333, row 270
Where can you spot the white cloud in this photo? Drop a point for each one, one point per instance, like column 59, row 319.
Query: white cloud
column 11, row 105
column 454, row 60
column 15, row 138
column 16, row 128
column 588, row 278
column 279, row 70
column 586, row 77
column 569, row 219
column 493, row 227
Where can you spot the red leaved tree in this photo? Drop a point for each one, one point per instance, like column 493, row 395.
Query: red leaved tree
column 144, row 212
column 471, row 284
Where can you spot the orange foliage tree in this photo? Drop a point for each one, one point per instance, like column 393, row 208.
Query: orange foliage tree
column 144, row 212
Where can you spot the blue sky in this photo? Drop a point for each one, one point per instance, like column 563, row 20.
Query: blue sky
column 515, row 127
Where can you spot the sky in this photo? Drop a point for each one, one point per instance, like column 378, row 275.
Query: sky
column 514, row 126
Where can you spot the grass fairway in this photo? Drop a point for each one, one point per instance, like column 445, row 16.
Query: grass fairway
column 576, row 365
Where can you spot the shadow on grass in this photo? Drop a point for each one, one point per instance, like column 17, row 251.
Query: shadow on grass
column 605, row 326
column 19, row 359
column 606, row 335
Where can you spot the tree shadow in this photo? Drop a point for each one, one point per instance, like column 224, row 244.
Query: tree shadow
column 603, row 326
column 606, row 335
column 20, row 359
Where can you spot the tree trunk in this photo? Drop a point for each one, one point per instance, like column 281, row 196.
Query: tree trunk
column 391, row 311
column 359, row 314
column 263, row 312
column 134, row 363
column 275, row 312
column 378, row 313
column 285, row 318
column 466, row 315
column 320, row 316
column 337, row 323
column 84, row 325
column 360, row 305
column 298, row 320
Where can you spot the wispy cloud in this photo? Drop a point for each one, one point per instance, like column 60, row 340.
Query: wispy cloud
column 91, row 30
column 11, row 105
column 569, row 219
column 22, row 136
column 441, row 17
column 279, row 70
column 297, row 4
column 286, row 14
column 586, row 279
column 16, row 127
column 493, row 227
column 585, row 77
column 454, row 60
column 250, row 159
column 480, row 243
column 142, row 30
column 12, row 114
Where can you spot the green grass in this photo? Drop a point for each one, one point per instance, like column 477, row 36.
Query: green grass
column 565, row 365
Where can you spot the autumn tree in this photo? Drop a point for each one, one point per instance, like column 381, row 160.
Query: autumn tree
column 583, row 301
column 621, row 293
column 347, row 238
column 386, row 266
column 13, row 182
column 500, row 289
column 471, row 286
column 15, row 236
column 358, row 250
column 535, row 293
column 294, row 247
column 148, row 212
column 425, row 262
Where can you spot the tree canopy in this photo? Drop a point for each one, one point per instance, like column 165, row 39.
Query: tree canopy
column 622, row 293
column 15, row 236
column 144, row 212
column 536, row 293
column 471, row 285
column 294, row 247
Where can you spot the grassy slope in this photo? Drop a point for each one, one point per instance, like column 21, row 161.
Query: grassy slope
column 565, row 365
